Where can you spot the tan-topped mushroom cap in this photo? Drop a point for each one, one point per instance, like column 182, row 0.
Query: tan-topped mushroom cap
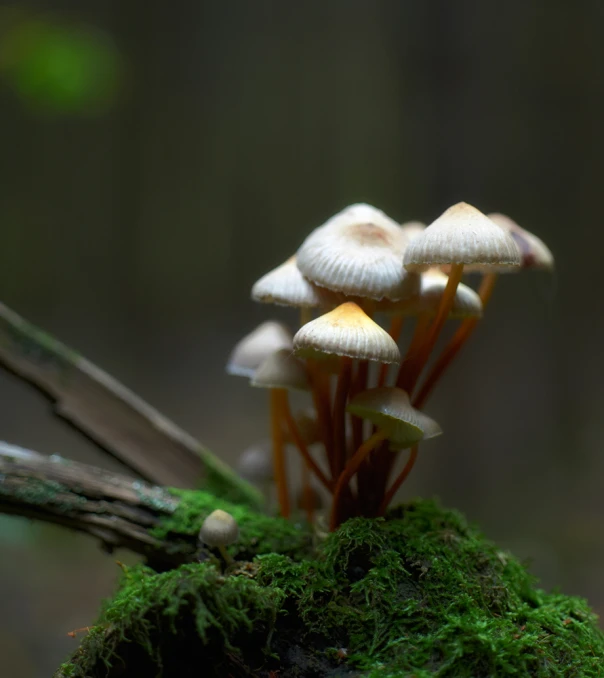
column 349, row 332
column 462, row 235
column 255, row 347
column 286, row 286
column 219, row 529
column 389, row 407
column 358, row 252
column 535, row 253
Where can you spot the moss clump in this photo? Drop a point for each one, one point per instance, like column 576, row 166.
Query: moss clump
column 423, row 594
column 259, row 533
column 420, row 594
column 193, row 612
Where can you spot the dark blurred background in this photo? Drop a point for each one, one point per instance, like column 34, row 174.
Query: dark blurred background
column 157, row 158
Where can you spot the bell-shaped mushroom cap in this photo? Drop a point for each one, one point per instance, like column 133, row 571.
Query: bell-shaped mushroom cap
column 390, row 408
column 466, row 304
column 358, row 252
column 255, row 347
column 219, row 529
column 535, row 253
column 349, row 332
column 281, row 370
column 256, row 463
column 286, row 286
column 462, row 235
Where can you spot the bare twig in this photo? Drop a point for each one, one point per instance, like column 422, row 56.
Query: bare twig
column 118, row 510
column 116, row 419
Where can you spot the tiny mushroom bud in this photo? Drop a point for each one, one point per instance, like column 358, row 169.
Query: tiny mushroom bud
column 218, row 530
column 256, row 463
column 255, row 347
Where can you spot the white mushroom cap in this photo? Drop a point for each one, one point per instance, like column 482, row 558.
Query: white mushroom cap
column 281, row 370
column 286, row 286
column 535, row 253
column 466, row 304
column 219, row 529
column 256, row 463
column 462, row 235
column 255, row 347
column 349, row 332
column 358, row 252
column 390, row 408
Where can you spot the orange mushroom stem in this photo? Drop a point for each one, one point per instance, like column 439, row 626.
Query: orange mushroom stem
column 339, row 415
column 460, row 337
column 278, row 398
column 400, row 479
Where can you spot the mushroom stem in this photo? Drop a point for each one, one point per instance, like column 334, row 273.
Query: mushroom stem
column 339, row 415
column 444, row 308
column 309, row 462
column 226, row 556
column 351, row 468
column 400, row 479
column 320, row 396
column 460, row 337
column 278, row 397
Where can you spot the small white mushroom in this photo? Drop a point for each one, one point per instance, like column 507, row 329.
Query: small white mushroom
column 219, row 530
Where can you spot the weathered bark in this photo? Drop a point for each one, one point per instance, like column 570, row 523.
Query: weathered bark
column 116, row 419
column 119, row 511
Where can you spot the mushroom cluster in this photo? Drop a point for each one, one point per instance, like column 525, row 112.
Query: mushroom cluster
column 358, row 268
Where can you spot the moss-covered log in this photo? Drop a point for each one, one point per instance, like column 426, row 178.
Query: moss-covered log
column 420, row 594
column 159, row 523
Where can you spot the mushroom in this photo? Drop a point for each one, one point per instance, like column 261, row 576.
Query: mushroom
column 250, row 351
column 535, row 255
column 219, row 530
column 281, row 372
column 358, row 252
column 461, row 236
column 286, row 286
column 350, row 333
column 390, row 410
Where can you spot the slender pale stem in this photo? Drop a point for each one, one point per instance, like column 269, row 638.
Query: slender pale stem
column 400, row 479
column 278, row 396
column 464, row 331
column 351, row 468
column 339, row 415
column 294, row 431
column 444, row 308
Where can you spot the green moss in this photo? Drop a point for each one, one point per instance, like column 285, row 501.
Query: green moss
column 420, row 594
column 259, row 533
column 192, row 607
